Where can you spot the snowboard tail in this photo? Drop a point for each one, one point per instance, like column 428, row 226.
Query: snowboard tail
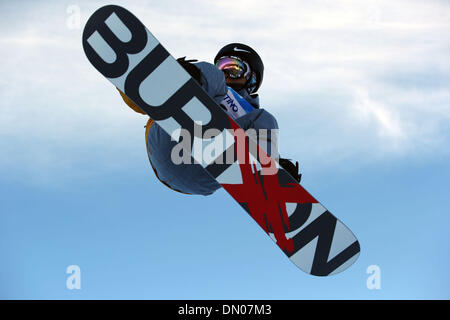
column 121, row 48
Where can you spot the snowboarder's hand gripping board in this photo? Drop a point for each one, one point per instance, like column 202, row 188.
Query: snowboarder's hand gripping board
column 121, row 48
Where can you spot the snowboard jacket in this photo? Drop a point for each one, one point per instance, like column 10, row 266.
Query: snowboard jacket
column 192, row 178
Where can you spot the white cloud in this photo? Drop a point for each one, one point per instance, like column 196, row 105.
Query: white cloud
column 337, row 72
column 387, row 122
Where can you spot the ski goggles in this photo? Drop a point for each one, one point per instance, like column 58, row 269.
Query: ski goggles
column 234, row 67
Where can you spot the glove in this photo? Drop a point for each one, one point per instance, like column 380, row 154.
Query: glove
column 287, row 165
column 191, row 68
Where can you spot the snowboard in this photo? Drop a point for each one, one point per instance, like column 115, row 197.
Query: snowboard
column 124, row 51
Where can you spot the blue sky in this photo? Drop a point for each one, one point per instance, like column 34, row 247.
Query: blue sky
column 361, row 94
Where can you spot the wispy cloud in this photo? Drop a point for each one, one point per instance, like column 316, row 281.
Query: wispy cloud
column 355, row 78
column 387, row 122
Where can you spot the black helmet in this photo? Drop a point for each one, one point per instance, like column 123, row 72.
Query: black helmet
column 248, row 55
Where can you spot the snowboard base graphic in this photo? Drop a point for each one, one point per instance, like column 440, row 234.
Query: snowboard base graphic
column 124, row 51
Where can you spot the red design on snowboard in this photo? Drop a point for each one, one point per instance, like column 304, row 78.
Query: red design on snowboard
column 265, row 197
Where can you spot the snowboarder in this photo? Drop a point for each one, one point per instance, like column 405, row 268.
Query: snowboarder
column 238, row 66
